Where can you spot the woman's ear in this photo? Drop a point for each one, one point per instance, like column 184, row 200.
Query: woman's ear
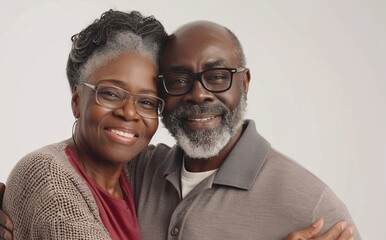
column 75, row 104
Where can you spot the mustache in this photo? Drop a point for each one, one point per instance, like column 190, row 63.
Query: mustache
column 186, row 110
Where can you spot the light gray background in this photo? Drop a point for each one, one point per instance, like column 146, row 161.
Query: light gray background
column 317, row 92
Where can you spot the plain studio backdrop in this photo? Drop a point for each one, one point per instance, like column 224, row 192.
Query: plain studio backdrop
column 317, row 92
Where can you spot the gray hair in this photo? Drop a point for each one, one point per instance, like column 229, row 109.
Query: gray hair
column 238, row 48
column 106, row 38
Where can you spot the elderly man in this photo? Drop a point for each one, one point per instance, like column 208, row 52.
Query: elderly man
column 222, row 180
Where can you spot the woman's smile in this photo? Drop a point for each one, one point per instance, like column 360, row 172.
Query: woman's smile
column 125, row 136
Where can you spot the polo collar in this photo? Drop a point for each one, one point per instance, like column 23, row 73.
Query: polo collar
column 245, row 161
column 242, row 165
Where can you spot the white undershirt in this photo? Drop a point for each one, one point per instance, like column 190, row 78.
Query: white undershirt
column 189, row 180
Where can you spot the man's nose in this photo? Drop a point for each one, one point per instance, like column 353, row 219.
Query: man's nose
column 198, row 94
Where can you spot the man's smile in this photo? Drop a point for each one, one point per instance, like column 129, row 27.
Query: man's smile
column 201, row 119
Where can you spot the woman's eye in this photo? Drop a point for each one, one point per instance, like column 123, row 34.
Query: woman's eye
column 147, row 103
column 109, row 94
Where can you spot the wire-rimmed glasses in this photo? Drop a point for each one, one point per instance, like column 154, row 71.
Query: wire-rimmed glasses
column 113, row 97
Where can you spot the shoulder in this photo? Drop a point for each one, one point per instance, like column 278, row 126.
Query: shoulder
column 159, row 149
column 37, row 164
column 42, row 170
column 43, row 173
column 304, row 194
column 287, row 181
column 282, row 172
column 45, row 192
column 290, row 171
column 301, row 190
column 157, row 153
column 154, row 159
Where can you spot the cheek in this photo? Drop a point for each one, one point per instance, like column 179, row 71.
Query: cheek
column 232, row 97
column 171, row 103
column 151, row 126
column 92, row 114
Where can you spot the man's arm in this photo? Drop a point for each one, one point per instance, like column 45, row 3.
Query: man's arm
column 6, row 225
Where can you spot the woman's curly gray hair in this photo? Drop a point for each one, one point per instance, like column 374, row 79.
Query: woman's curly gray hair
column 113, row 34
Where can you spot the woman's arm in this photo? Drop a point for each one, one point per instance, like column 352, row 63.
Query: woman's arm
column 340, row 231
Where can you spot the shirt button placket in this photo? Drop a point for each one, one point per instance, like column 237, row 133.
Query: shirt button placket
column 178, row 219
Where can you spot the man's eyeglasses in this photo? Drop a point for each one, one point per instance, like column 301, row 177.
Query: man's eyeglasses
column 214, row 80
column 113, row 97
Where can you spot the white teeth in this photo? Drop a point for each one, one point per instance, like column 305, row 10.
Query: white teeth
column 123, row 134
column 201, row 119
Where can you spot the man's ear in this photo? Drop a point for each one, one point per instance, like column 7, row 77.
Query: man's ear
column 75, row 102
column 246, row 79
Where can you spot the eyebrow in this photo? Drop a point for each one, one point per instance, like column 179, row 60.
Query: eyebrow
column 114, row 81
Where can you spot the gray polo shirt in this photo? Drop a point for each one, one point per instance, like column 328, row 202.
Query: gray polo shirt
column 257, row 193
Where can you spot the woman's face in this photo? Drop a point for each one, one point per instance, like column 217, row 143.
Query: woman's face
column 115, row 135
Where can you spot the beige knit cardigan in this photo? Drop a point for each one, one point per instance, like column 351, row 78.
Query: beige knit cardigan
column 48, row 199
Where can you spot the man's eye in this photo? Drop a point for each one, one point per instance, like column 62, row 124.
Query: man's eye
column 217, row 77
column 178, row 81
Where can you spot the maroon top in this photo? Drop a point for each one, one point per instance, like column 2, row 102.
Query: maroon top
column 118, row 215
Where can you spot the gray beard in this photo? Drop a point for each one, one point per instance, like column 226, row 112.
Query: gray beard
column 209, row 142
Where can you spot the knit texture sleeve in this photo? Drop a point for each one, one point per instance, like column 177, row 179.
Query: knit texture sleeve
column 47, row 199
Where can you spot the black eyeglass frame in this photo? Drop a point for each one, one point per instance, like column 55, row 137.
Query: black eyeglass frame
column 198, row 77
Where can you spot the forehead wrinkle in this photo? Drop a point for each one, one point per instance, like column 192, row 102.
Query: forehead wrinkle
column 179, row 68
column 214, row 64
column 206, row 66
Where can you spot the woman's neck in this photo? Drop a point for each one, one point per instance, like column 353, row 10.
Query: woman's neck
column 106, row 178
column 104, row 173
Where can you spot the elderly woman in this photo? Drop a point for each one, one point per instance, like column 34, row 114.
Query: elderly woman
column 78, row 188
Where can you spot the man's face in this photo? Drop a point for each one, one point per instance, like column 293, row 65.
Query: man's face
column 203, row 122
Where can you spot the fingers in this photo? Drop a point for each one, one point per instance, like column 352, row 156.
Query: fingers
column 6, row 236
column 5, row 222
column 6, row 226
column 347, row 234
column 306, row 233
column 2, row 189
column 340, row 231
